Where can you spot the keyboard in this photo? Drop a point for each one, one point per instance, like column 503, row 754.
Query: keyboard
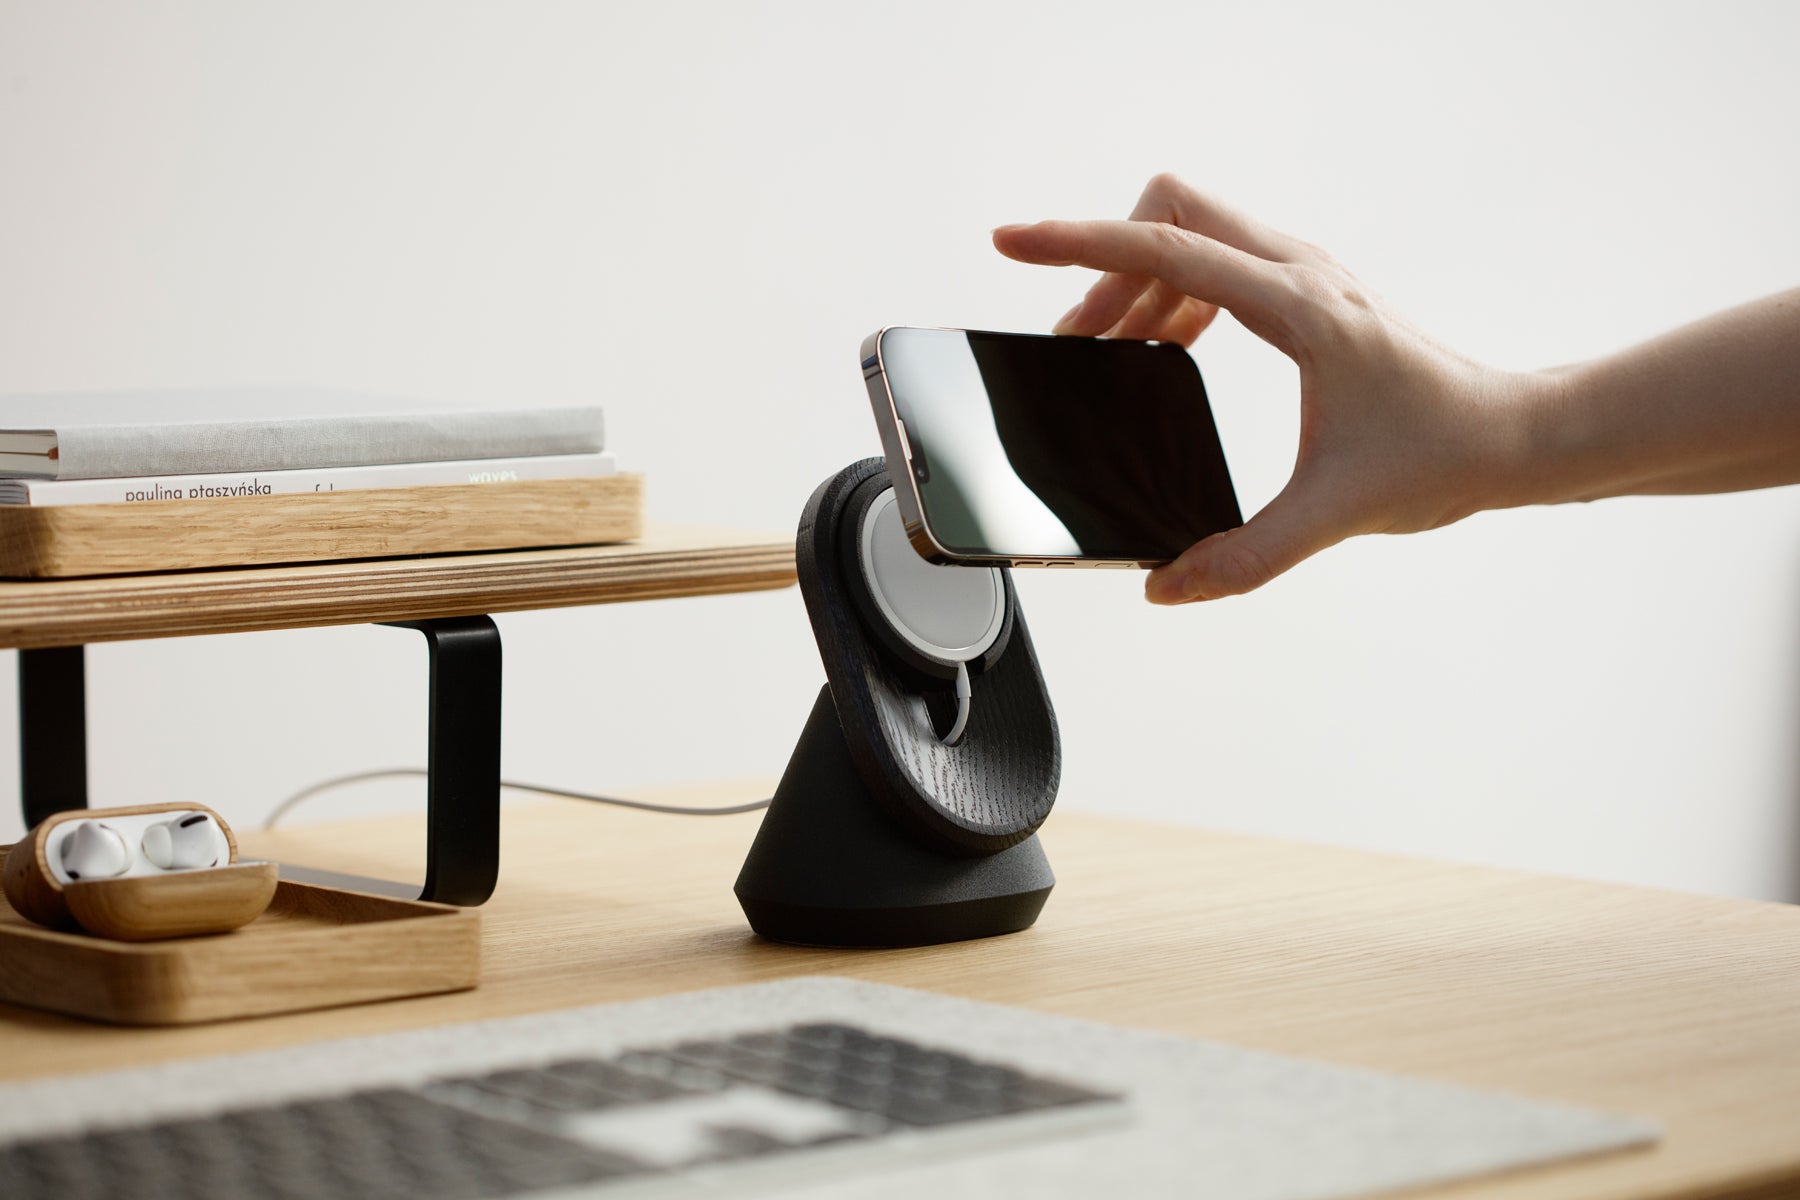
column 813, row 1087
column 707, row 1103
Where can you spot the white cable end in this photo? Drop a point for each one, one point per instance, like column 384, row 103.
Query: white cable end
column 964, row 694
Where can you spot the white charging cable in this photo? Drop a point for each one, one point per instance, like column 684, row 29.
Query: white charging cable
column 963, row 697
column 964, row 700
column 681, row 810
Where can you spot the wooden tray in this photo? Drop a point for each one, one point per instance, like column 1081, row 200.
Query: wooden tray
column 316, row 947
column 175, row 535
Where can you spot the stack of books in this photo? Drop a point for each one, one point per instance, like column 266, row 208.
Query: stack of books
column 111, row 483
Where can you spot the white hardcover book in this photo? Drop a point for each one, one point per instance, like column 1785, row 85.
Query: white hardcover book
column 41, row 493
column 120, row 434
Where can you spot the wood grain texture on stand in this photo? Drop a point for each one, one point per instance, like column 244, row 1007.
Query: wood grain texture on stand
column 1681, row 1008
column 668, row 560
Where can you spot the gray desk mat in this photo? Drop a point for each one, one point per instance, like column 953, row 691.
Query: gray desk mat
column 1206, row 1119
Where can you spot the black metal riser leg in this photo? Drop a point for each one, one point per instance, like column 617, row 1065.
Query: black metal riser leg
column 462, row 832
column 52, row 731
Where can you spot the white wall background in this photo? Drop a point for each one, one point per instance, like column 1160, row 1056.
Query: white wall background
column 693, row 212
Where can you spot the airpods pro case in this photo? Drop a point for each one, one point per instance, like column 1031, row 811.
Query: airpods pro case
column 164, row 876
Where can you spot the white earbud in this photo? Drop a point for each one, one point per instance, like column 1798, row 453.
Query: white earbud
column 191, row 841
column 93, row 850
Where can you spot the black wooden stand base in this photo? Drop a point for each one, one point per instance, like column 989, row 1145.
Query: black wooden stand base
column 830, row 868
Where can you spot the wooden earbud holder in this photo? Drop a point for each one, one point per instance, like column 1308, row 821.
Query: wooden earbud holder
column 138, row 947
column 139, row 904
column 880, row 834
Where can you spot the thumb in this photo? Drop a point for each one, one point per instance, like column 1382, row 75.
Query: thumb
column 1292, row 528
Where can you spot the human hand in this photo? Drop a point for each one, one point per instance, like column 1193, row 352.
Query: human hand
column 1397, row 433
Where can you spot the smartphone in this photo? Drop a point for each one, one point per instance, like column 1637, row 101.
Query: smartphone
column 1012, row 449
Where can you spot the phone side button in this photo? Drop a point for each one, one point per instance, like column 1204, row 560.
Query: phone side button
column 905, row 442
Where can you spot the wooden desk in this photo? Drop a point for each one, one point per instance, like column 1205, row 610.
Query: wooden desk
column 1682, row 1008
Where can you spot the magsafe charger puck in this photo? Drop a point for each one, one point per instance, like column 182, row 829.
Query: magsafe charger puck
column 947, row 614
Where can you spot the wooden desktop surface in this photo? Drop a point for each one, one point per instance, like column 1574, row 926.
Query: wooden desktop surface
column 1682, row 1008
column 669, row 560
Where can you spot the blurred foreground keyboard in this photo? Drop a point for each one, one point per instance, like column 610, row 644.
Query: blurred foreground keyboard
column 827, row 1089
column 578, row 1122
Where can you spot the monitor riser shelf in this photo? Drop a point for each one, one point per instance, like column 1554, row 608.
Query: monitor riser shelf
column 464, row 701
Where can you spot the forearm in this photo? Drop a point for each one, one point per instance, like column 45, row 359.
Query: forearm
column 1710, row 407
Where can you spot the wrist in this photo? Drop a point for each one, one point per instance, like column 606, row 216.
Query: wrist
column 1538, row 443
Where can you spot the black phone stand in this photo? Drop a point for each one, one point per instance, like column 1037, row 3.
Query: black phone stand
column 880, row 834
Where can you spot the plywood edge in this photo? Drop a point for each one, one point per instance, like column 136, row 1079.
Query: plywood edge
column 670, row 561
column 113, row 539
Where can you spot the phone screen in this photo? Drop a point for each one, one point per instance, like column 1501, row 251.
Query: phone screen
column 1057, row 447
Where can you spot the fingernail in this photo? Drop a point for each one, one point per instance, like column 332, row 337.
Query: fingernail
column 1009, row 228
column 1171, row 587
column 1066, row 322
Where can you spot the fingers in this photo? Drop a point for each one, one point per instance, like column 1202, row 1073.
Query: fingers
column 1112, row 304
column 1169, row 200
column 1188, row 324
column 1105, row 304
column 1194, row 265
column 1289, row 531
column 1155, row 311
column 1113, row 301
